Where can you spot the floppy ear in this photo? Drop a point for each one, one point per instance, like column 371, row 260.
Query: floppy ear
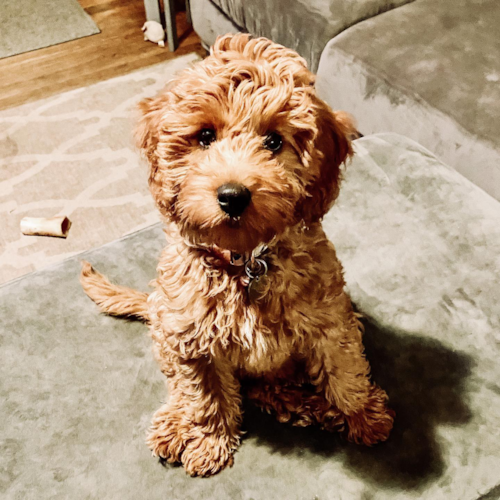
column 327, row 150
column 348, row 124
column 147, row 136
column 148, row 128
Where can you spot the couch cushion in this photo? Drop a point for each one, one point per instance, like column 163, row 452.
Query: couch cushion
column 420, row 247
column 209, row 22
column 428, row 70
column 303, row 25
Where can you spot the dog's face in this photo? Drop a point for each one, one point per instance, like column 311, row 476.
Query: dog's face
column 240, row 147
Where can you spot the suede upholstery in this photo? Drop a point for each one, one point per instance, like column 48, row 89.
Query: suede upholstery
column 303, row 25
column 436, row 79
column 420, row 247
column 210, row 22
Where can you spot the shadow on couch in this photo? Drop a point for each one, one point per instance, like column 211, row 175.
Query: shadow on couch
column 426, row 385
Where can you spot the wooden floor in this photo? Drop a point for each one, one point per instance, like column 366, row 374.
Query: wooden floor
column 118, row 49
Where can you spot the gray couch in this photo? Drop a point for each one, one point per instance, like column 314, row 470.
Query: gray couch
column 426, row 69
column 420, row 245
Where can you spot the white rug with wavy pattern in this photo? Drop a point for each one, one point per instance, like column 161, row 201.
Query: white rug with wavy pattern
column 73, row 155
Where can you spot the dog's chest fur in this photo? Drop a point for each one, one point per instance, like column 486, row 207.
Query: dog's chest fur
column 201, row 310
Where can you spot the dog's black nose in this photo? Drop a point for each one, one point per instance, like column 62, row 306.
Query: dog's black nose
column 233, row 198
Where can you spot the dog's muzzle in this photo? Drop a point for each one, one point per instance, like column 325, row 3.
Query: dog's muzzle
column 233, row 198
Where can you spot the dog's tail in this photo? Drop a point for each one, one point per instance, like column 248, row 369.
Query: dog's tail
column 113, row 299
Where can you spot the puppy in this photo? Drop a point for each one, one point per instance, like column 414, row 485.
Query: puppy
column 244, row 162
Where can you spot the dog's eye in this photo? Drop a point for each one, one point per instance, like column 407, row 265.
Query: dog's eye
column 206, row 137
column 273, row 142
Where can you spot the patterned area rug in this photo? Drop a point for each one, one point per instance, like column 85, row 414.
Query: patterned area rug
column 73, row 155
column 32, row 24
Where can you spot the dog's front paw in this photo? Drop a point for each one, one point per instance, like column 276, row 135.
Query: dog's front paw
column 168, row 434
column 174, row 437
column 374, row 423
column 208, row 454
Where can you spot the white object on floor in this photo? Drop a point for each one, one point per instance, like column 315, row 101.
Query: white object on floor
column 154, row 32
column 39, row 226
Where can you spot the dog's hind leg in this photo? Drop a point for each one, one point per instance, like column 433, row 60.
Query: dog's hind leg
column 297, row 404
column 113, row 299
column 340, row 371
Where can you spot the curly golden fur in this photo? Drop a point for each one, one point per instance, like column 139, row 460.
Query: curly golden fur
column 299, row 344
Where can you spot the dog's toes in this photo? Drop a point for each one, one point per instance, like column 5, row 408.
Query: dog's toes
column 174, row 437
column 209, row 454
column 168, row 448
column 168, row 435
column 332, row 420
column 374, row 423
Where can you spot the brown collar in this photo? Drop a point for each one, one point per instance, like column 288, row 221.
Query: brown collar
column 238, row 259
column 253, row 262
column 231, row 258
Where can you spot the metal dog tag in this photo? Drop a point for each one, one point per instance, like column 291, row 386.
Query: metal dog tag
column 256, row 272
column 256, row 288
